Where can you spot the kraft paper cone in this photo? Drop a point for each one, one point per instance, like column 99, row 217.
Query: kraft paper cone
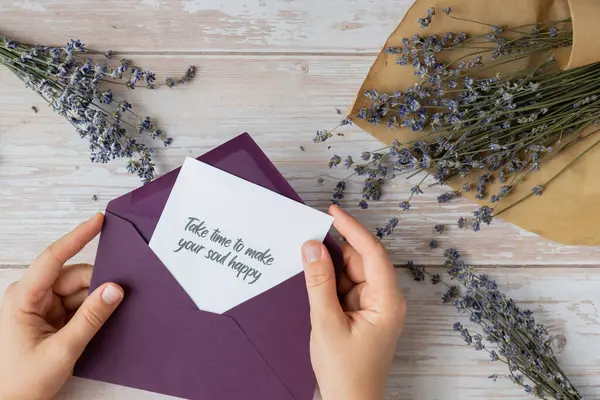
column 566, row 212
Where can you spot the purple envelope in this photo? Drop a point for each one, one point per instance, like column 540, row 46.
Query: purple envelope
column 158, row 340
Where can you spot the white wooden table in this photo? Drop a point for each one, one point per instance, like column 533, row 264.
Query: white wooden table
column 277, row 69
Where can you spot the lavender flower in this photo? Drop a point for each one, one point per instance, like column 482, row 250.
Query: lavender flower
column 387, row 229
column 416, row 190
column 189, row 74
column 334, row 161
column 417, row 272
column 339, row 191
column 452, row 292
column 518, row 341
column 433, row 244
column 321, row 136
column 511, row 330
column 472, row 127
column 348, row 162
column 446, row 197
column 439, row 228
column 75, row 88
column 404, row 205
column 424, row 22
column 537, row 190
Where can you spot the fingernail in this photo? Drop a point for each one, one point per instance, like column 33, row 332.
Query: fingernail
column 111, row 295
column 95, row 216
column 311, row 252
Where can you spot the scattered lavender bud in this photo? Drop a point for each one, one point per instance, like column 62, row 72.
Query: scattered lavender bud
column 435, row 279
column 322, row 136
column 338, row 111
column 302, row 148
column 446, row 197
column 537, row 190
column 363, row 205
column 418, row 273
column 462, row 222
column 452, row 292
column 404, row 205
column 338, row 192
column 433, row 244
column 348, row 162
column 483, row 214
column 426, row 21
column 416, row 190
column 387, row 229
column 188, row 75
column 439, row 228
column 170, row 82
column 34, row 109
column 95, row 198
column 334, row 161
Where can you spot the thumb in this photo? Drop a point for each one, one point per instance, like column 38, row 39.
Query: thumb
column 320, row 284
column 89, row 318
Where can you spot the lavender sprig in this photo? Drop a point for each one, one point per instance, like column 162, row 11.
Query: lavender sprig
column 509, row 334
column 77, row 88
column 481, row 130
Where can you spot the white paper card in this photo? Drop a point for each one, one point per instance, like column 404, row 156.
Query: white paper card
column 226, row 240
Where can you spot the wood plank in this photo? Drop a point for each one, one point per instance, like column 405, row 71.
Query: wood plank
column 207, row 26
column 48, row 184
column 432, row 362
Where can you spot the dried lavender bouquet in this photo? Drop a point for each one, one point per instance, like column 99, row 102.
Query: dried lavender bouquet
column 471, row 126
column 507, row 333
column 78, row 89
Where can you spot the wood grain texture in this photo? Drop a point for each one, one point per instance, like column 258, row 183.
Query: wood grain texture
column 277, row 69
column 333, row 26
column 432, row 362
column 48, row 184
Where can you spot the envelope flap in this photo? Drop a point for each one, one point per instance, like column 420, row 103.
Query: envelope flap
column 277, row 322
column 240, row 156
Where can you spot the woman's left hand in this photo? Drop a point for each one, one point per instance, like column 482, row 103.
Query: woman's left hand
column 47, row 318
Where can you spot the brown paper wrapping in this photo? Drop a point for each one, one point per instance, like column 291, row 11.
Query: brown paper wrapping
column 566, row 212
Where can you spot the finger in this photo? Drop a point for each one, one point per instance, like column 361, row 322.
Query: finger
column 74, row 301
column 72, row 279
column 345, row 284
column 43, row 272
column 86, row 322
column 353, row 263
column 352, row 300
column 377, row 267
column 56, row 313
column 320, row 284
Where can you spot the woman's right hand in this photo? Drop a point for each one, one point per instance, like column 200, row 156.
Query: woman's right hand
column 352, row 344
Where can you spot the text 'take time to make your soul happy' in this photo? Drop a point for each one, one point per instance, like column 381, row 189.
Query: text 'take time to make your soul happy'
column 244, row 272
